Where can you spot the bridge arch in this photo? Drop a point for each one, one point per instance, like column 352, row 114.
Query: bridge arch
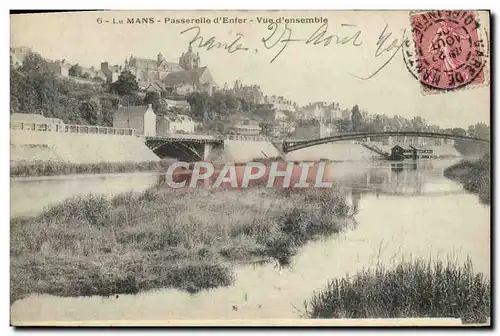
column 290, row 146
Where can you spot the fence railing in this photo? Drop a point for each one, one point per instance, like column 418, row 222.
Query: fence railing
column 247, row 137
column 218, row 137
column 79, row 129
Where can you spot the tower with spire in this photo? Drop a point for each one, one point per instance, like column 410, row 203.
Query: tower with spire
column 160, row 59
column 189, row 60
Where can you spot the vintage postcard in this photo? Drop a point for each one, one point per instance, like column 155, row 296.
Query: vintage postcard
column 250, row 168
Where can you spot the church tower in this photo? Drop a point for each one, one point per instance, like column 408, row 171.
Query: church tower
column 189, row 60
column 160, row 59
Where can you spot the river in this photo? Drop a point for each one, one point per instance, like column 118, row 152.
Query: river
column 403, row 212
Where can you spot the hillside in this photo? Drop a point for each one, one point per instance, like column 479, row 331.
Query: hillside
column 36, row 89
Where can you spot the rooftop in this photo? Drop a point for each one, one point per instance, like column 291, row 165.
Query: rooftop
column 184, row 77
column 132, row 109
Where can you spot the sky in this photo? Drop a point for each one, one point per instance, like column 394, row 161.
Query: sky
column 302, row 72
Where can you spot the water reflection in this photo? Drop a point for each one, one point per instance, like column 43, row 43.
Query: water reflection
column 398, row 179
column 29, row 195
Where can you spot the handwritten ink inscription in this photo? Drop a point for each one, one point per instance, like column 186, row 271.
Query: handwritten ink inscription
column 320, row 36
column 212, row 42
column 281, row 36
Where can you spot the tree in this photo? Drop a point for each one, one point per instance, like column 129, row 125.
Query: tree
column 126, row 84
column 199, row 106
column 34, row 88
column 131, row 99
column 154, row 98
column 418, row 124
column 479, row 130
column 34, row 63
column 356, row 118
column 343, row 125
column 75, row 71
column 90, row 110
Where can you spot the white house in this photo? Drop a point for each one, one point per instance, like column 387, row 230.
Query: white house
column 251, row 129
column 178, row 124
column 178, row 104
column 280, row 115
column 141, row 118
column 315, row 131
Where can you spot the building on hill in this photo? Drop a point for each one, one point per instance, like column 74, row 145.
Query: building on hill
column 250, row 93
column 185, row 82
column 332, row 112
column 17, row 56
column 322, row 111
column 189, row 60
column 284, row 127
column 242, row 129
column 283, row 115
column 156, row 86
column 280, row 103
column 181, row 105
column 92, row 73
column 111, row 72
column 60, row 68
column 313, row 131
column 180, row 123
column 346, row 114
column 148, row 70
column 160, row 75
column 141, row 118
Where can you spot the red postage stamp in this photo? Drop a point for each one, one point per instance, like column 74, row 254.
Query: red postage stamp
column 450, row 50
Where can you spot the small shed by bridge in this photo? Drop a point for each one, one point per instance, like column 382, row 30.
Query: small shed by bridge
column 399, row 152
column 422, row 152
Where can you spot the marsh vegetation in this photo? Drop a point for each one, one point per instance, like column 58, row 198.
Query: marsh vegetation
column 52, row 168
column 410, row 289
column 474, row 175
column 160, row 238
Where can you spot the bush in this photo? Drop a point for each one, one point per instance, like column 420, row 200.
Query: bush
column 410, row 289
column 474, row 175
column 92, row 209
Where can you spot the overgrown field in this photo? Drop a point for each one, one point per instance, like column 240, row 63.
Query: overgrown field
column 91, row 245
column 50, row 168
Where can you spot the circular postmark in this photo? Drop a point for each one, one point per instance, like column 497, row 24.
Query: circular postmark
column 450, row 50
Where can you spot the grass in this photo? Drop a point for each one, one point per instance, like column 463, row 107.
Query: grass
column 160, row 238
column 50, row 168
column 412, row 289
column 474, row 175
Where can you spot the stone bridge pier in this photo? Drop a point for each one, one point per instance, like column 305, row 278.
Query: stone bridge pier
column 187, row 149
column 207, row 150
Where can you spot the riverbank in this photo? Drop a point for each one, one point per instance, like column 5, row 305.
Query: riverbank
column 161, row 238
column 77, row 148
column 52, row 168
column 412, row 289
column 474, row 175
